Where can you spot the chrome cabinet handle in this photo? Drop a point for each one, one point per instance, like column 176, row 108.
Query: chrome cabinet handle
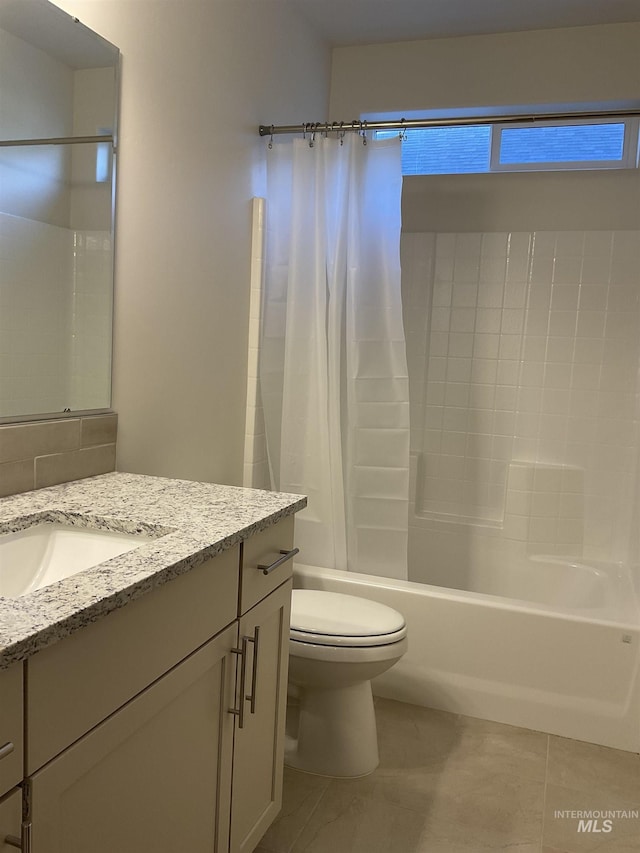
column 286, row 555
column 251, row 697
column 7, row 749
column 242, row 651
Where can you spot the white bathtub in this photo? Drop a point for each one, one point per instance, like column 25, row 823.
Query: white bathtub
column 562, row 655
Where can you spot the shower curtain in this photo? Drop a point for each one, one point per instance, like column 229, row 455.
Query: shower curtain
column 333, row 369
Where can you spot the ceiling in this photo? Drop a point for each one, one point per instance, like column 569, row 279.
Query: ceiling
column 348, row 22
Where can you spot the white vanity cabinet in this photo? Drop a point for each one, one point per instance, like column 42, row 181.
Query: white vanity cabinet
column 160, row 728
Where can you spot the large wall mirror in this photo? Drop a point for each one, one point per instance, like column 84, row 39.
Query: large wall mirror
column 58, row 109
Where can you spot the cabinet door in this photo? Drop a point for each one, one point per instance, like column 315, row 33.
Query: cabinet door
column 11, row 725
column 259, row 745
column 155, row 776
column 10, row 819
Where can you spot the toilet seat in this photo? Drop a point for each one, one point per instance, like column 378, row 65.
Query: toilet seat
column 334, row 619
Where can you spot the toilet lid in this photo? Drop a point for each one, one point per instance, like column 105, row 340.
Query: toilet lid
column 335, row 619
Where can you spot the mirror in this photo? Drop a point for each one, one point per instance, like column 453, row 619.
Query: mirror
column 58, row 108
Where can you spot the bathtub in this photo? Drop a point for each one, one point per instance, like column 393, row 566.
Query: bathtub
column 560, row 655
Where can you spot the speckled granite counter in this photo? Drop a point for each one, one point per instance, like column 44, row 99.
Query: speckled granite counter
column 193, row 522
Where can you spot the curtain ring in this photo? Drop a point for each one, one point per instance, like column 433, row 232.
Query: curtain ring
column 341, row 133
column 364, row 133
column 304, row 130
column 403, row 131
column 271, row 139
column 312, row 141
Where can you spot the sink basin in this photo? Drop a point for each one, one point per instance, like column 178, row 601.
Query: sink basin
column 40, row 555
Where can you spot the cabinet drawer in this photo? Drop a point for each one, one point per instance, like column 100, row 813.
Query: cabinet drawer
column 10, row 727
column 10, row 819
column 77, row 683
column 263, row 549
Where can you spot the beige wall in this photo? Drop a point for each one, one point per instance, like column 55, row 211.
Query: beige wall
column 198, row 76
column 532, row 201
column 587, row 64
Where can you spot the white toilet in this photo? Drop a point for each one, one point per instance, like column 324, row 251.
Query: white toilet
column 337, row 644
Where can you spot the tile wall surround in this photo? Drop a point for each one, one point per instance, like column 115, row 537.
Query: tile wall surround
column 45, row 453
column 545, row 508
column 256, row 467
column 523, row 354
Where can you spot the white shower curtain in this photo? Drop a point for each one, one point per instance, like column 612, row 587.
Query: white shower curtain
column 333, row 366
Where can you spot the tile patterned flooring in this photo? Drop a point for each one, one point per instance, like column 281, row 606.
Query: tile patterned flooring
column 454, row 784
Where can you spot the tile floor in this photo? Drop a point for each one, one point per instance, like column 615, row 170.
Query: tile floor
column 453, row 784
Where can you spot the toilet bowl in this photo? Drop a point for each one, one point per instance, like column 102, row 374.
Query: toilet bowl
column 337, row 644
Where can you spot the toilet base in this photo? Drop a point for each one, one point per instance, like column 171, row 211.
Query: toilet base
column 336, row 732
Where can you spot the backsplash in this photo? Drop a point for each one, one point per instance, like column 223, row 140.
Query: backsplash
column 38, row 454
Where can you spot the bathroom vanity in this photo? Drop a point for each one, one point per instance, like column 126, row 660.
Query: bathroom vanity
column 142, row 701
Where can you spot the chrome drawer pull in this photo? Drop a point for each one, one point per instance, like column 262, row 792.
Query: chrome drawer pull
column 286, row 555
column 7, row 749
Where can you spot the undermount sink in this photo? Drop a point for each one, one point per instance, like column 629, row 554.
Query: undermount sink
column 47, row 552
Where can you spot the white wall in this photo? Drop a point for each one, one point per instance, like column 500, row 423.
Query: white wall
column 198, row 76
column 584, row 64
column 526, row 201
column 37, row 101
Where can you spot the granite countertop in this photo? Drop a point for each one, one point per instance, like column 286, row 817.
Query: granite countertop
column 192, row 522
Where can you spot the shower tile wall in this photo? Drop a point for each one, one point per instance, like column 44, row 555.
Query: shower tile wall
column 524, row 348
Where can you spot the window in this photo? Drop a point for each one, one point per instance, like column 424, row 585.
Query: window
column 519, row 147
column 442, row 150
column 104, row 157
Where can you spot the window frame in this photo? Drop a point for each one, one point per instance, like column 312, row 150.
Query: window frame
column 629, row 159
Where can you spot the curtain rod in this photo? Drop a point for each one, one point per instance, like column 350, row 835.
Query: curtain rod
column 358, row 126
column 56, row 140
